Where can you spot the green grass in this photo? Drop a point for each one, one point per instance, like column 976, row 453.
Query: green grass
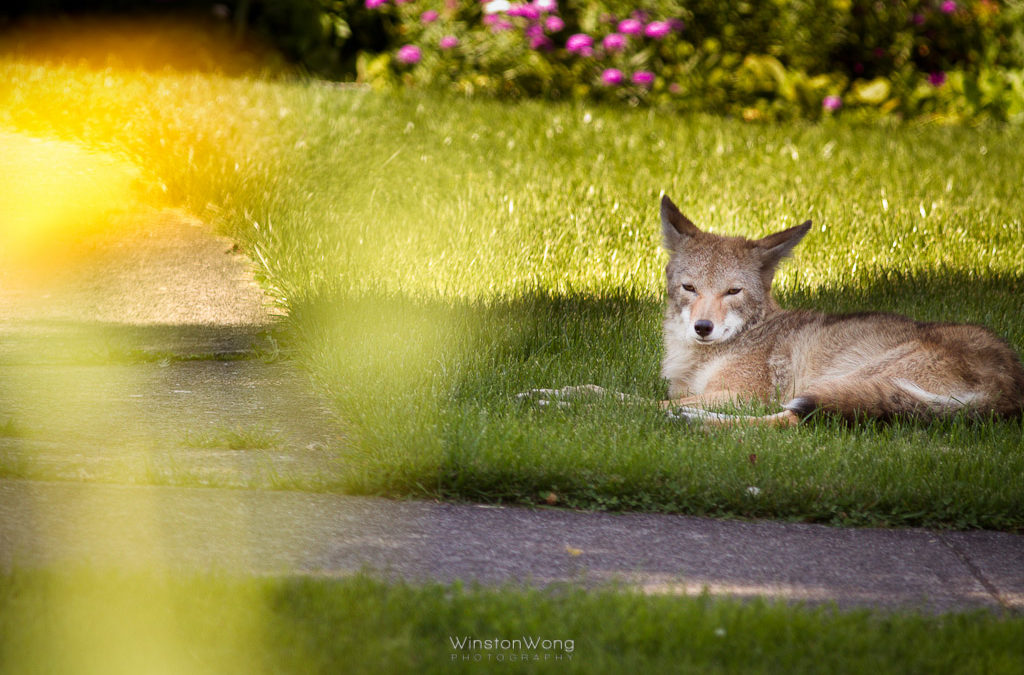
column 235, row 438
column 130, row 622
column 437, row 257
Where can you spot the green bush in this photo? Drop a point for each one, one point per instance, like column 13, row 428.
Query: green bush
column 760, row 60
column 324, row 36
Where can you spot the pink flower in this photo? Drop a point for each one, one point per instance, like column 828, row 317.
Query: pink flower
column 553, row 24
column 937, row 79
column 449, row 42
column 630, row 27
column 535, row 33
column 429, row 16
column 546, row 5
column 581, row 44
column 497, row 23
column 644, row 78
column 409, row 54
column 614, row 42
column 948, row 7
column 374, row 4
column 541, row 42
column 611, row 77
column 525, row 11
column 832, row 103
column 657, row 29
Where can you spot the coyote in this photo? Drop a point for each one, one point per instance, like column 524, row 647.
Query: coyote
column 726, row 339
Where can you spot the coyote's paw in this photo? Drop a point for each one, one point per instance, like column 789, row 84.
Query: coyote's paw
column 561, row 398
column 696, row 415
column 682, row 415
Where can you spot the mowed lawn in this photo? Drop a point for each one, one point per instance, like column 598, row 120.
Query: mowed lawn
column 438, row 256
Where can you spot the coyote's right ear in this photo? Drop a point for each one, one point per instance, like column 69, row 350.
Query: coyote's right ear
column 676, row 228
column 777, row 246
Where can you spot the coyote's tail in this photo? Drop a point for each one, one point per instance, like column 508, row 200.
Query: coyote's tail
column 885, row 398
column 888, row 397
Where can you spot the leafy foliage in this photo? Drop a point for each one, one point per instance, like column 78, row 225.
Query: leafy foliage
column 755, row 60
column 943, row 59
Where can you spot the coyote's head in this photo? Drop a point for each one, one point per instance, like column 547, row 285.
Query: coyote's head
column 717, row 286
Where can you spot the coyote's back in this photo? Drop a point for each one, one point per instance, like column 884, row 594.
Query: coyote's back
column 725, row 338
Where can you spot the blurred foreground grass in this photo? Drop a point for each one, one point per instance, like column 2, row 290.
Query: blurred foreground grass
column 130, row 622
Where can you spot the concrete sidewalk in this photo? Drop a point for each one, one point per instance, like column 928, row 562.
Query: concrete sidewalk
column 150, row 354
column 276, row 532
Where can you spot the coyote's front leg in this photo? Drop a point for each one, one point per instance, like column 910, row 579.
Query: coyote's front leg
column 692, row 409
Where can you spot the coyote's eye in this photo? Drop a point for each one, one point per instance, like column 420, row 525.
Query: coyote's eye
column 689, row 288
column 733, row 291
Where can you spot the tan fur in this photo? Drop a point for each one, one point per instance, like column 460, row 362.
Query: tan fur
column 864, row 365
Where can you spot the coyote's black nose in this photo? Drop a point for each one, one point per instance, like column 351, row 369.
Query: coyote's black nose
column 703, row 327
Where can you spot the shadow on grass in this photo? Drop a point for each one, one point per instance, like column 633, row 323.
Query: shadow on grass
column 486, row 349
column 995, row 300
column 427, row 389
column 460, row 348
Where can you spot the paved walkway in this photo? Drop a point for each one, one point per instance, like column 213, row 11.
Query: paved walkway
column 155, row 348
column 278, row 532
column 135, row 361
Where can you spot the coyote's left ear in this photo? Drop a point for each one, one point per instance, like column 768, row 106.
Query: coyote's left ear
column 777, row 246
column 676, row 229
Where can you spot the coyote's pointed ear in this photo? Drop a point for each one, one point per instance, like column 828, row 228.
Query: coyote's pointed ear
column 676, row 228
column 777, row 246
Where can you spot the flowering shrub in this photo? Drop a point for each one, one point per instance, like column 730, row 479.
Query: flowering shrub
column 953, row 58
